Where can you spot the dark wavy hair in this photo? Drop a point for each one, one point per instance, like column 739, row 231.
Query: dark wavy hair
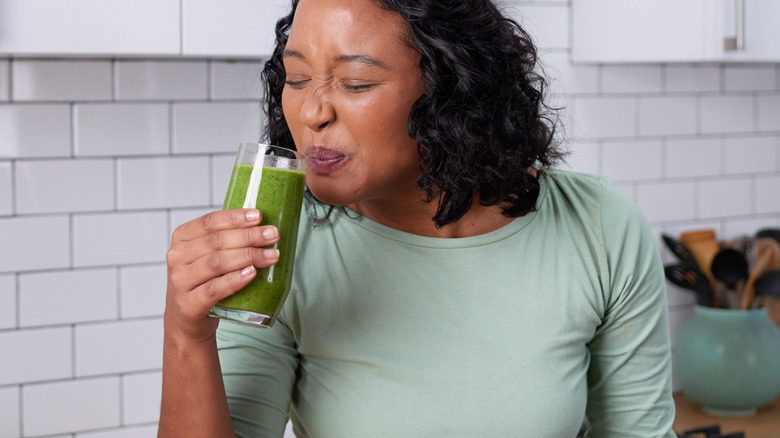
column 481, row 121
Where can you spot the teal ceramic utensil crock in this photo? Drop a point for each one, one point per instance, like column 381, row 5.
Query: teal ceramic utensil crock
column 727, row 360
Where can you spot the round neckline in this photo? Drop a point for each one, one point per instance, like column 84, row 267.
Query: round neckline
column 407, row 238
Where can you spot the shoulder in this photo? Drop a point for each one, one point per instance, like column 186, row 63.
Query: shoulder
column 606, row 215
column 588, row 199
column 582, row 187
column 591, row 195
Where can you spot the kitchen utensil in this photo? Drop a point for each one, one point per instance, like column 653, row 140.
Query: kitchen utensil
column 748, row 293
column 729, row 266
column 689, row 277
column 677, row 248
column 772, row 305
column 773, row 233
column 771, row 246
column 703, row 244
column 769, row 284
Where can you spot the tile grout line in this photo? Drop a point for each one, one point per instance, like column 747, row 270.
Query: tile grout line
column 212, row 165
column 121, row 400
column 14, row 202
column 171, row 133
column 21, row 409
column 71, row 241
column 753, row 195
column 18, row 304
column 73, row 129
column 756, row 113
column 73, row 351
column 119, row 292
column 116, row 183
column 114, row 81
column 10, row 80
column 209, row 80
column 637, row 116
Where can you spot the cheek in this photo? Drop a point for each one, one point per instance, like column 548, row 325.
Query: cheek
column 290, row 110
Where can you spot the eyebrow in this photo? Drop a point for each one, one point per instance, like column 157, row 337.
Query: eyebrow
column 363, row 59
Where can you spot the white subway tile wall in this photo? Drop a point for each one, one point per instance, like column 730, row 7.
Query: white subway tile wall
column 7, row 301
column 749, row 78
column 119, row 238
column 110, row 129
column 59, row 186
column 67, row 297
column 84, row 404
column 161, row 80
column 6, row 186
column 162, row 182
column 54, row 80
column 35, row 130
column 200, row 128
column 692, row 78
column 142, row 290
column 9, row 411
column 100, row 159
column 118, row 347
column 768, row 109
column 141, row 401
column 5, row 84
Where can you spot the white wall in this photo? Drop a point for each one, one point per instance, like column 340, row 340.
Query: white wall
column 101, row 158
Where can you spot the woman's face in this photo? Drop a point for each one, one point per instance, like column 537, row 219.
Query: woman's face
column 351, row 84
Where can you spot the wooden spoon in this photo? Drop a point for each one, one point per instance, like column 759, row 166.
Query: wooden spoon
column 750, row 291
column 703, row 244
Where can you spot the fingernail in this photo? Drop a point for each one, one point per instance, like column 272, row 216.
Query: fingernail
column 248, row 270
column 270, row 233
column 252, row 215
column 271, row 253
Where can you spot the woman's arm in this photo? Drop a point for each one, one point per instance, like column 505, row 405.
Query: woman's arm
column 193, row 395
column 629, row 379
column 210, row 258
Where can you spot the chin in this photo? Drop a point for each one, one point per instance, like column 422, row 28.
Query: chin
column 329, row 195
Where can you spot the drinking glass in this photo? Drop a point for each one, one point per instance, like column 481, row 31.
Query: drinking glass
column 271, row 179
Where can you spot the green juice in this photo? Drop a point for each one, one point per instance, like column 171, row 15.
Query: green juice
column 279, row 199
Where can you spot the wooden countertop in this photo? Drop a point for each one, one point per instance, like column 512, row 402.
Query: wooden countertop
column 764, row 424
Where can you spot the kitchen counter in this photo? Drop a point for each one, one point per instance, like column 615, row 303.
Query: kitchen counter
column 764, row 424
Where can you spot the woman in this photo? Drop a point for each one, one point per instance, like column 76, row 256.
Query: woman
column 448, row 282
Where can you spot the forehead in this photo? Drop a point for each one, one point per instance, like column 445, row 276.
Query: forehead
column 348, row 26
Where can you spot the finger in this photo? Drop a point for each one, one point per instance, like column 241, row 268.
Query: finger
column 205, row 296
column 219, row 263
column 217, row 221
column 188, row 251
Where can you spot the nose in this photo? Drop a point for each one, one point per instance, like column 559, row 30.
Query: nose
column 317, row 111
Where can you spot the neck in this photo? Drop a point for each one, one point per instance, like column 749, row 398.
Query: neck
column 416, row 218
column 415, row 215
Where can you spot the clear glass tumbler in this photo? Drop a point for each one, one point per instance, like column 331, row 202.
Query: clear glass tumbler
column 271, row 179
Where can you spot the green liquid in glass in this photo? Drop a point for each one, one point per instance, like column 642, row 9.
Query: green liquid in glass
column 279, row 200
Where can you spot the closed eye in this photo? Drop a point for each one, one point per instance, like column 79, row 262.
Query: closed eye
column 357, row 88
column 296, row 84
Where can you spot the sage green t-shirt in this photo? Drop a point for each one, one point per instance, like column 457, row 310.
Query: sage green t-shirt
column 507, row 334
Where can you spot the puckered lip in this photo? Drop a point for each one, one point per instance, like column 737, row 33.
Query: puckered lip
column 323, row 160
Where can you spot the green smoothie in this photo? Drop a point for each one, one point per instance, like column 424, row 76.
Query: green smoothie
column 279, row 200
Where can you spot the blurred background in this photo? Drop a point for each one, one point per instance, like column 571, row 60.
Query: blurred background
column 119, row 120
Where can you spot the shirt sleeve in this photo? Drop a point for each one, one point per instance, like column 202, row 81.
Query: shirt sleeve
column 629, row 377
column 258, row 368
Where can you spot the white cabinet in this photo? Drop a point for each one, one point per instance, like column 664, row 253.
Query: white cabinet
column 626, row 31
column 190, row 28
column 230, row 28
column 90, row 27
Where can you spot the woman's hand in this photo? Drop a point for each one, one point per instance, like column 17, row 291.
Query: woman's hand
column 210, row 258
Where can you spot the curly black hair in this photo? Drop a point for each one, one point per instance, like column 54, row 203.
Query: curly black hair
column 481, row 122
